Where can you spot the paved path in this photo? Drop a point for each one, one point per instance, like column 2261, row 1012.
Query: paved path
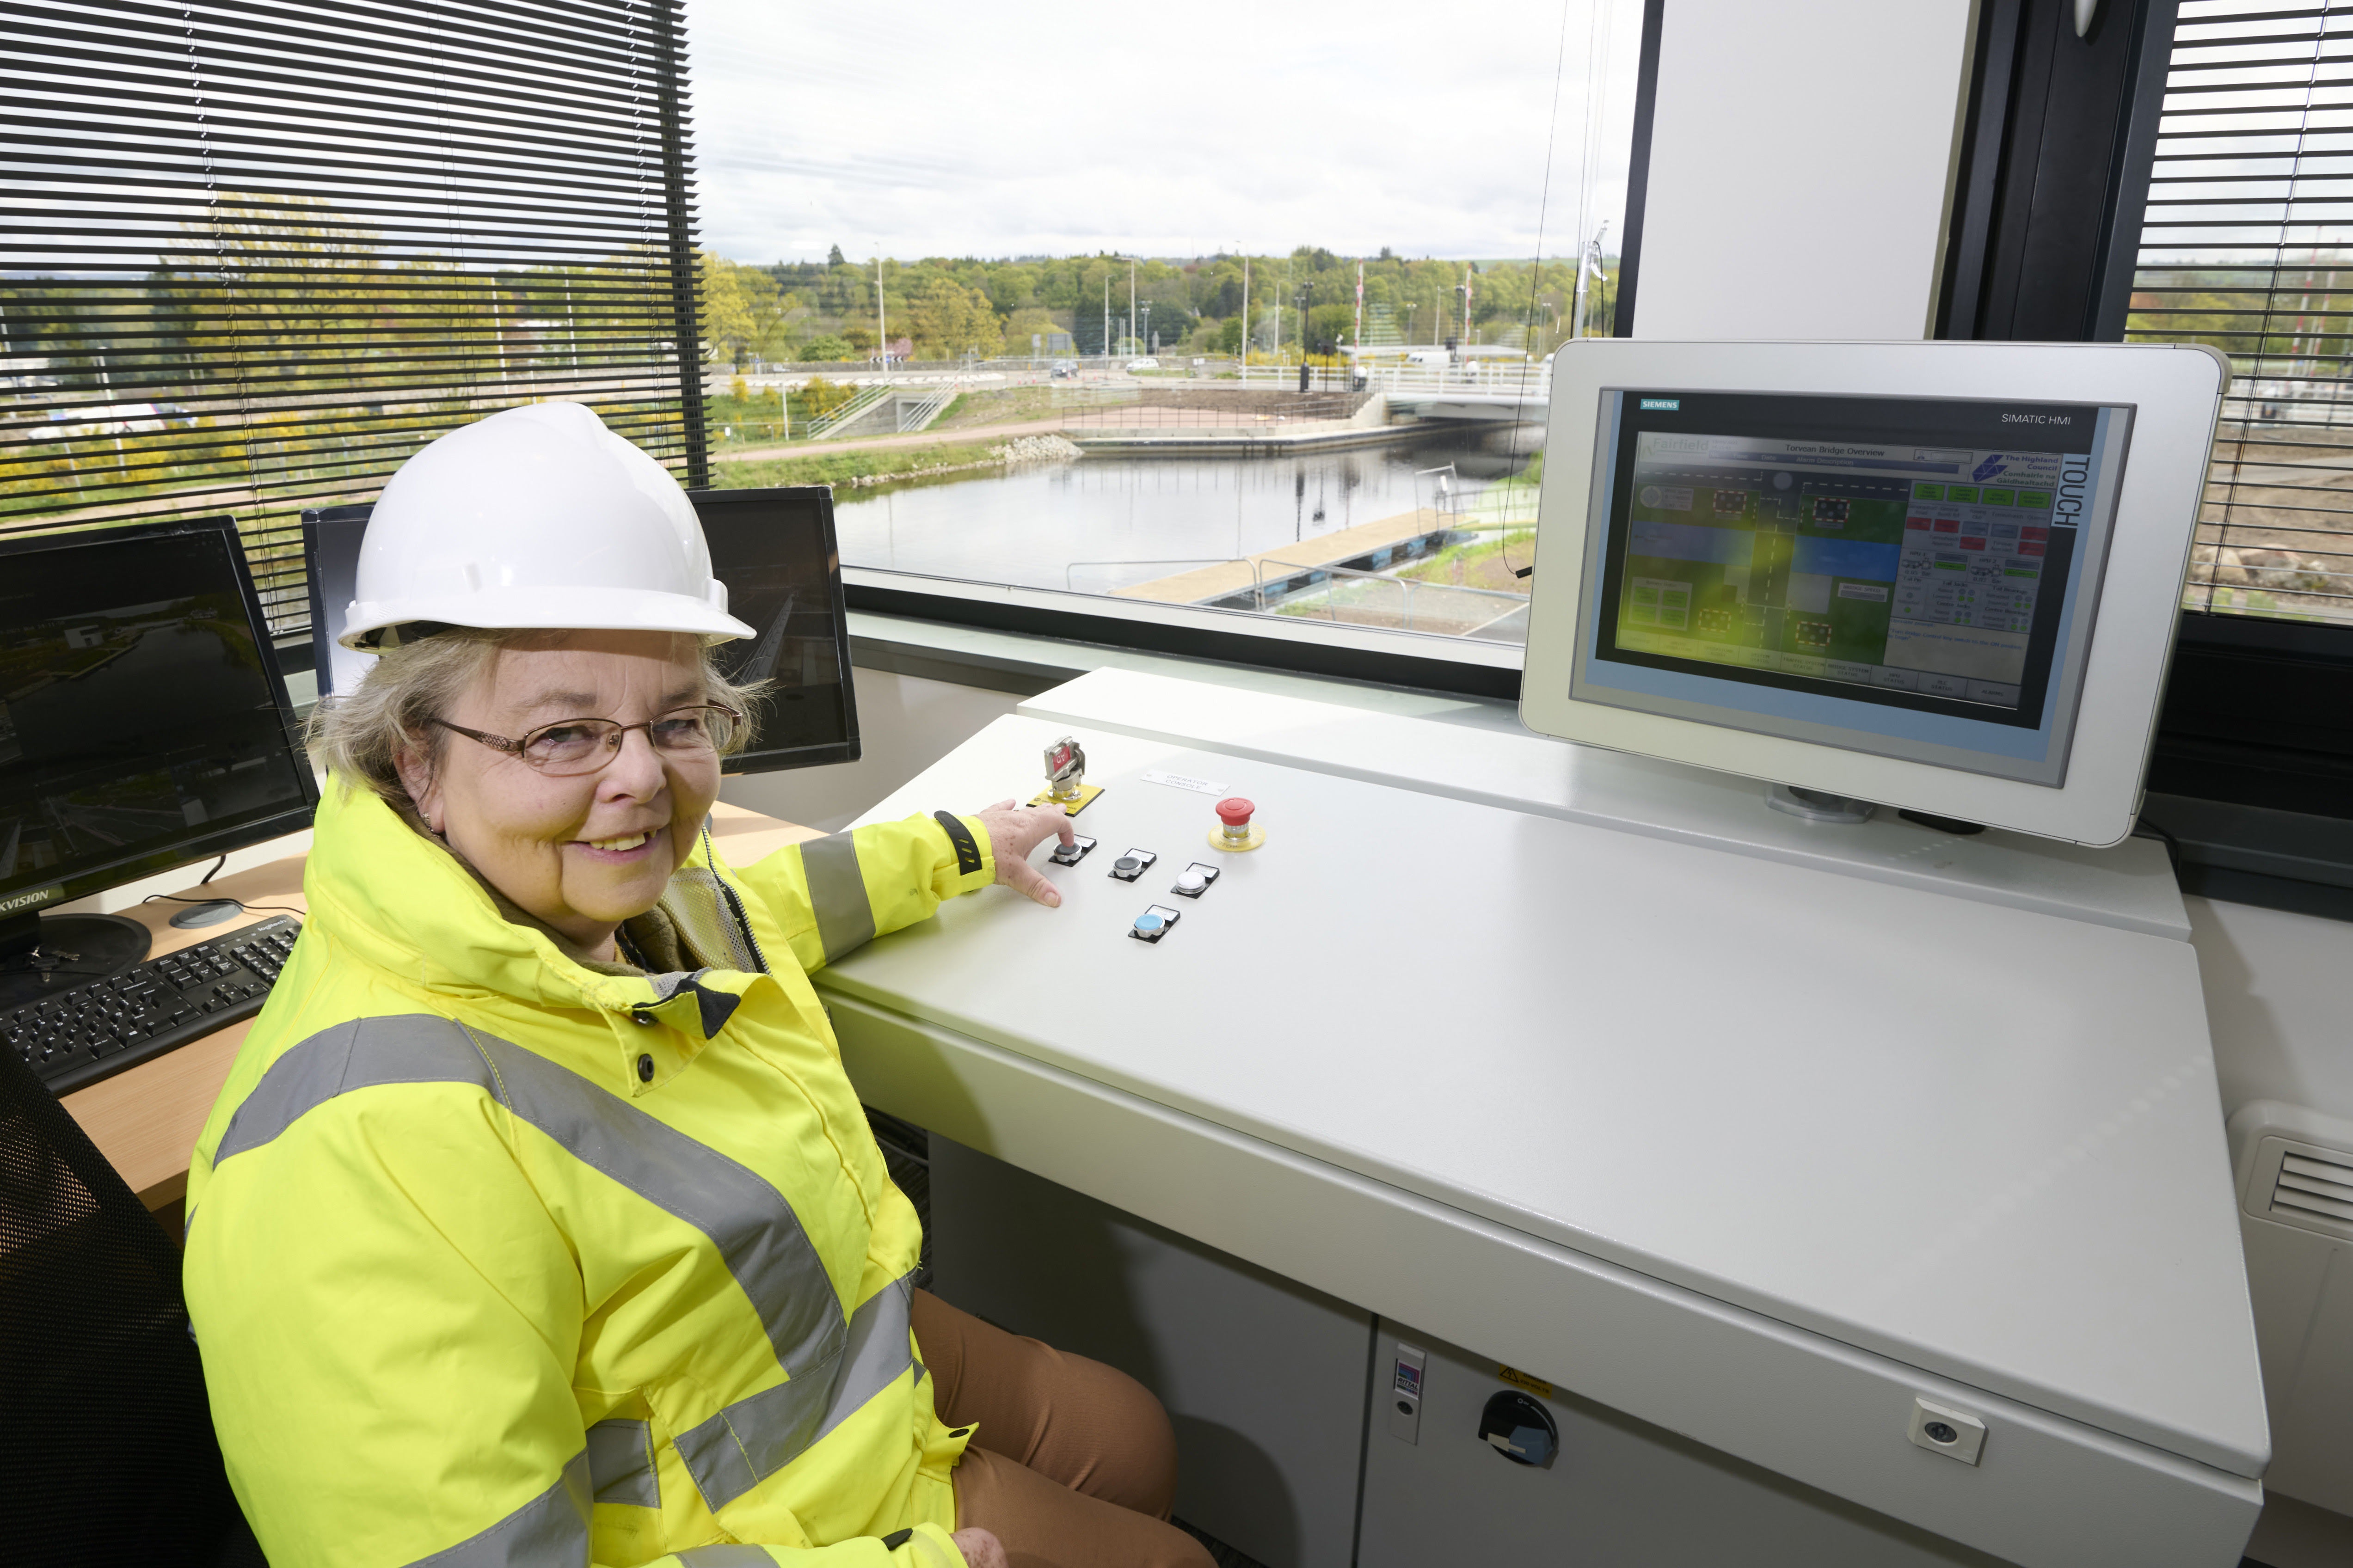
column 1212, row 582
column 931, row 438
column 1089, row 420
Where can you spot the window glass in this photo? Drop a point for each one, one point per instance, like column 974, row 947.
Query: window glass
column 1246, row 309
column 2246, row 248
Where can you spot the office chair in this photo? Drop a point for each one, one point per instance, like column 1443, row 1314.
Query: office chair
column 107, row 1453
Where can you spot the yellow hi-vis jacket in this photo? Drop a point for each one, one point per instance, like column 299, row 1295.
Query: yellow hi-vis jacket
column 497, row 1259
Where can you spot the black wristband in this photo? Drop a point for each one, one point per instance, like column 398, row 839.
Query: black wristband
column 968, row 853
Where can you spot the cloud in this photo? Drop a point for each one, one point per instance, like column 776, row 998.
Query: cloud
column 929, row 129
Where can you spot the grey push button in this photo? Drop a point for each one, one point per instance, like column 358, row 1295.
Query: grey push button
column 1941, row 1429
column 1073, row 852
column 1153, row 923
column 1133, row 864
column 1195, row 879
column 1407, row 1365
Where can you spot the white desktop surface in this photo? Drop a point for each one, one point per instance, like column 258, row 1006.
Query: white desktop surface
column 2130, row 886
column 1980, row 1140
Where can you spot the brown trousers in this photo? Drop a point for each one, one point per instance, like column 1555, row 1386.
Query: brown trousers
column 1075, row 1465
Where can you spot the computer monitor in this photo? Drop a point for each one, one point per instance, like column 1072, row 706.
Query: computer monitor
column 774, row 549
column 1942, row 577
column 144, row 725
column 331, row 560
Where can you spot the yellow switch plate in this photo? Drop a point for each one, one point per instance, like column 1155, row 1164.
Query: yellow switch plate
column 1087, row 793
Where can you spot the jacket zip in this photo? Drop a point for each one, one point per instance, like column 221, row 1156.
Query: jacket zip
column 734, row 904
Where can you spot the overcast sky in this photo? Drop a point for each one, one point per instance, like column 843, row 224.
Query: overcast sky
column 1056, row 127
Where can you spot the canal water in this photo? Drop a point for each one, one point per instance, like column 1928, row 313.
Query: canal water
column 1108, row 522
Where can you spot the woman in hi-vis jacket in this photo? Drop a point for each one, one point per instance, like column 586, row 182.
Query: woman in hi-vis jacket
column 537, row 1222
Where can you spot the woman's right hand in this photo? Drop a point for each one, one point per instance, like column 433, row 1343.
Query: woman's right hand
column 980, row 1549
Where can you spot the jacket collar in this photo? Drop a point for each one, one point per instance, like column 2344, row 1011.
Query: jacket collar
column 402, row 901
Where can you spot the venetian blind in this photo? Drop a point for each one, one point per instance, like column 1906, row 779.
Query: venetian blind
column 257, row 252
column 2248, row 245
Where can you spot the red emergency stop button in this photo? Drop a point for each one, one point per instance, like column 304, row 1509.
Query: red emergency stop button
column 1237, row 830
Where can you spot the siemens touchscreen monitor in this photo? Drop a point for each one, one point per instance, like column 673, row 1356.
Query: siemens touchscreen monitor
column 1936, row 576
column 1914, row 576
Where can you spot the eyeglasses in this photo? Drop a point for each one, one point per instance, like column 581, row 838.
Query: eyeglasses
column 571, row 746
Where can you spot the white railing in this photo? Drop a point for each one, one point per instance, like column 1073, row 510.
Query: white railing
column 915, row 415
column 855, row 408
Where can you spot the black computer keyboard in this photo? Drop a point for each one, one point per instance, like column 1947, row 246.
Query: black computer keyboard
column 96, row 1029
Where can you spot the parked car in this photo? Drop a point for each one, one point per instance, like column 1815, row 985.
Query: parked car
column 1146, row 364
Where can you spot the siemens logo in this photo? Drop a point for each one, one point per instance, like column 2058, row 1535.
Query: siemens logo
column 1671, row 404
column 15, row 901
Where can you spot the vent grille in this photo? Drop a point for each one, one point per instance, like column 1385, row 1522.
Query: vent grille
column 2310, row 1184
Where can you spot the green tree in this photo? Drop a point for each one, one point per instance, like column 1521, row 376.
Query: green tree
column 950, row 320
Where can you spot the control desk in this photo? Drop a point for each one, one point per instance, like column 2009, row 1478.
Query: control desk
column 1916, row 1197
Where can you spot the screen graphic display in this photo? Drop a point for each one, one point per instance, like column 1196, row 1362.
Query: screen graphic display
column 1913, row 577
column 136, row 710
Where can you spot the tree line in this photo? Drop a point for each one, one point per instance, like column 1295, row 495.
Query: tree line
column 943, row 308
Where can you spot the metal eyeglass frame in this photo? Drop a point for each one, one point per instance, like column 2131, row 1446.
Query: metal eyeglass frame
column 613, row 736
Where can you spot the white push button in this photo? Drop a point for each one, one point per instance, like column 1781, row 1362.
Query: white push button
column 1191, row 882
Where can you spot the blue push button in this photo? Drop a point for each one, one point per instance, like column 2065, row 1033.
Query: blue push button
column 1153, row 923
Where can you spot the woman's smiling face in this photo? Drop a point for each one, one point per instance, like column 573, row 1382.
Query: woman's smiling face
column 584, row 852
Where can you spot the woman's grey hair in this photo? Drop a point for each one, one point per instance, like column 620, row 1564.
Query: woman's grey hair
column 359, row 735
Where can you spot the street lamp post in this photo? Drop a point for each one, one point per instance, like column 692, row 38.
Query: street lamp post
column 1304, row 346
column 1131, row 261
column 1145, row 343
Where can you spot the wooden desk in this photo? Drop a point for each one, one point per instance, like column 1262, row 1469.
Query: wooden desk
column 145, row 1121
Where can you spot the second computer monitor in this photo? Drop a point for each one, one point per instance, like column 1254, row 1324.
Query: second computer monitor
column 773, row 548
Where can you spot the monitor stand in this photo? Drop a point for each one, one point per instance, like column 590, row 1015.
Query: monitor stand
column 41, row 955
column 1817, row 806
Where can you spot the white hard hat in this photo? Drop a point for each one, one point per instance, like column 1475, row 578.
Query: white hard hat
column 537, row 517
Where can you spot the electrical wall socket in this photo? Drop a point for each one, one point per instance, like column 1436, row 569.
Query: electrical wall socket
column 1403, row 1395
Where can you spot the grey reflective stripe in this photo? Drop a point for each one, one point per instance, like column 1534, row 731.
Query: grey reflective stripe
column 845, row 915
column 621, row 1463
column 879, row 1350
column 756, row 1232
column 832, row 1368
column 552, row 1528
column 364, row 1053
column 728, row 1554
column 760, row 1434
